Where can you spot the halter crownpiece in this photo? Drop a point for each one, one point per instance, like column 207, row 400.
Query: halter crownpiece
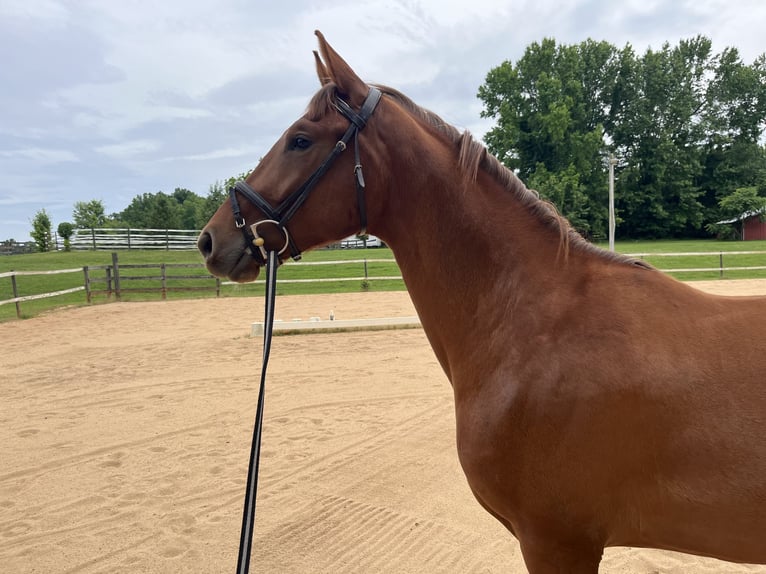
column 281, row 214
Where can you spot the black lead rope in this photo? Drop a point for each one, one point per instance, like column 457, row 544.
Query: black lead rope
column 251, row 491
column 280, row 215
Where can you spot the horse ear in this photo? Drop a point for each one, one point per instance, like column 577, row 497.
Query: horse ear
column 322, row 73
column 335, row 69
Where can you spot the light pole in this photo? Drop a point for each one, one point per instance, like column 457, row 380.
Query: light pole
column 612, row 163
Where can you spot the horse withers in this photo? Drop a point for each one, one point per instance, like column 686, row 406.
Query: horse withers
column 598, row 401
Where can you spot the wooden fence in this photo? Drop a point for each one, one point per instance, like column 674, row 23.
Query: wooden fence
column 126, row 238
column 109, row 239
column 720, row 268
column 10, row 247
column 17, row 300
column 116, row 279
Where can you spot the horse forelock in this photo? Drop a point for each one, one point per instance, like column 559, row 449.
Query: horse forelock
column 322, row 102
column 472, row 157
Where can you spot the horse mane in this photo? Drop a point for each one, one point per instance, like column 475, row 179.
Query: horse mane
column 473, row 156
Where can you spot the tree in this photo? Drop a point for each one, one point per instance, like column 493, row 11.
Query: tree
column 137, row 213
column 41, row 231
column 217, row 194
column 181, row 195
column 65, row 231
column 89, row 214
column 685, row 124
column 660, row 137
column 736, row 117
column 737, row 97
column 564, row 190
column 728, row 167
column 164, row 212
column 551, row 107
column 744, row 201
column 181, row 209
column 189, row 203
column 160, row 210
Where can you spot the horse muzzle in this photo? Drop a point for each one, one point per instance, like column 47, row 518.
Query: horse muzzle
column 228, row 259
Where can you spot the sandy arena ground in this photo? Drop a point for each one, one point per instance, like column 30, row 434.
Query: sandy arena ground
column 125, row 434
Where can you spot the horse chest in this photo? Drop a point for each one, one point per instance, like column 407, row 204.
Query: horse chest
column 491, row 449
column 516, row 449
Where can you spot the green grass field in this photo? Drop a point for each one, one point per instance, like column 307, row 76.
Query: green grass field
column 653, row 252
column 379, row 264
column 134, row 288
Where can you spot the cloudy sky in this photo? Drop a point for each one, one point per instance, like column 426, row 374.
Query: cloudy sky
column 107, row 99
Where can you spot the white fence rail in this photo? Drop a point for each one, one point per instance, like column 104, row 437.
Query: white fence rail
column 720, row 254
column 126, row 238
column 365, row 277
column 110, row 239
column 14, row 287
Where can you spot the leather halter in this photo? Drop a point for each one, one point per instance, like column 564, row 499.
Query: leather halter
column 283, row 212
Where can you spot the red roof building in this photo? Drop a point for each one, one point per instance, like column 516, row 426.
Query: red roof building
column 751, row 225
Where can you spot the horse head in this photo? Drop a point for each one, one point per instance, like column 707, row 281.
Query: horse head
column 308, row 190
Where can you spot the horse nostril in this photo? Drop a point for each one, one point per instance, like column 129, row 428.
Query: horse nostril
column 205, row 244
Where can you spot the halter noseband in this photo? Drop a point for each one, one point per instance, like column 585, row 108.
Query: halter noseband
column 281, row 214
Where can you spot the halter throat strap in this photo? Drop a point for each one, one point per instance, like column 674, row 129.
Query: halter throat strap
column 282, row 213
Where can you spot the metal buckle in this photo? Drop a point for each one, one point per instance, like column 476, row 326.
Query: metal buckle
column 259, row 241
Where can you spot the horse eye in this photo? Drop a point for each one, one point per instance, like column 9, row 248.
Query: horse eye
column 300, row 143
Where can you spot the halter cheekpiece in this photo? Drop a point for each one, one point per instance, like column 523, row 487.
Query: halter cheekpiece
column 283, row 212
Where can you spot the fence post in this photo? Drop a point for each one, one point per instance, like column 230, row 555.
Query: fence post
column 365, row 269
column 163, row 277
column 720, row 264
column 116, row 269
column 128, row 238
column 87, row 283
column 217, row 287
column 93, row 237
column 167, row 240
column 16, row 294
column 108, row 282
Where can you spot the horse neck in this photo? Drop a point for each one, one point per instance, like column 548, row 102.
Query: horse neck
column 470, row 253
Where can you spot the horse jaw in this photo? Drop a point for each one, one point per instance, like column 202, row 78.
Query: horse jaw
column 246, row 270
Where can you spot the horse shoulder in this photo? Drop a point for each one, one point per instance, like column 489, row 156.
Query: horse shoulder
column 615, row 405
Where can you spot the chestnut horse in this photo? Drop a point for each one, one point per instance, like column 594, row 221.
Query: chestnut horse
column 598, row 401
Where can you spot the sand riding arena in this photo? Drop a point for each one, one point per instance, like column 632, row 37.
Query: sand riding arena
column 126, row 427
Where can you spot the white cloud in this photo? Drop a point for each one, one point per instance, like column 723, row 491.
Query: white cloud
column 228, row 152
column 46, row 11
column 40, row 155
column 129, row 149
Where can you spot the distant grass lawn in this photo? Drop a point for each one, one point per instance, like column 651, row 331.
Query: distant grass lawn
column 377, row 266
column 685, row 246
column 651, row 252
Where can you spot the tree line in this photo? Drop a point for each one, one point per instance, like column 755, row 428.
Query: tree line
column 182, row 209
column 685, row 125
